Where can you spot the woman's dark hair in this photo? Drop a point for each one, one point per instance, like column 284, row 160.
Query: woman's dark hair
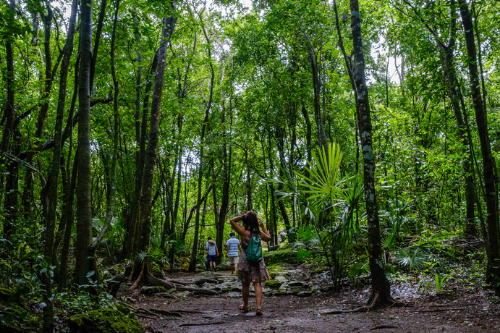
column 251, row 223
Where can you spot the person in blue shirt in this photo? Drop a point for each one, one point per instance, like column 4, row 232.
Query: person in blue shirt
column 232, row 246
column 213, row 253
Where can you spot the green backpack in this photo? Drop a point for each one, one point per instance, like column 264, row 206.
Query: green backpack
column 254, row 250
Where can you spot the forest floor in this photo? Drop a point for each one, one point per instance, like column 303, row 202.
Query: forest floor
column 461, row 309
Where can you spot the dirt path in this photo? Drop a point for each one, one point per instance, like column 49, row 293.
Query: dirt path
column 458, row 313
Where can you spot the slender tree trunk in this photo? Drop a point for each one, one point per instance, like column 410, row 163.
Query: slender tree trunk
column 132, row 230
column 131, row 216
column 248, row 182
column 320, row 123
column 381, row 289
column 83, row 195
column 226, row 182
column 273, row 225
column 176, row 205
column 281, row 150
column 52, row 184
column 489, row 164
column 95, row 51
column 111, row 193
column 451, row 80
column 42, row 115
column 192, row 263
column 71, row 186
column 150, row 154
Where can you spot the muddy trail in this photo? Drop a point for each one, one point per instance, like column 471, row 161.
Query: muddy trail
column 300, row 306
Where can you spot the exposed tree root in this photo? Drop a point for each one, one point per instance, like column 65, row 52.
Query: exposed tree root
column 151, row 279
column 375, row 302
column 145, row 276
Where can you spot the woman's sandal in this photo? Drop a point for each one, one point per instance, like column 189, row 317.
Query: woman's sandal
column 244, row 308
column 259, row 312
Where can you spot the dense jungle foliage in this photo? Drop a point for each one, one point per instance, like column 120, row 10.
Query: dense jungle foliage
column 365, row 136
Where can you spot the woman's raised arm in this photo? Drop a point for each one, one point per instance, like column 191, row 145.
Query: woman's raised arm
column 236, row 227
column 264, row 234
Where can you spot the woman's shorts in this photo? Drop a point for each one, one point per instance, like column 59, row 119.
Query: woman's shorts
column 211, row 258
column 233, row 260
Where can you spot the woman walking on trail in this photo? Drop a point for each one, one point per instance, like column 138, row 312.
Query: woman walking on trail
column 248, row 272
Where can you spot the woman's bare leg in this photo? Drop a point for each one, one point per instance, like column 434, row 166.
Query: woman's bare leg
column 258, row 294
column 245, row 291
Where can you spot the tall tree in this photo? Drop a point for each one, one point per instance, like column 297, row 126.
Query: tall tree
column 192, row 263
column 381, row 289
column 83, row 192
column 52, row 184
column 141, row 269
column 489, row 163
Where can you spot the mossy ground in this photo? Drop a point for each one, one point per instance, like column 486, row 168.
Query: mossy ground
column 104, row 321
column 287, row 255
column 275, row 270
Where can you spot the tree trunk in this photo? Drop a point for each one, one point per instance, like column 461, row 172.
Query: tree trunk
column 42, row 115
column 281, row 150
column 248, row 182
column 451, row 82
column 68, row 213
column 226, row 179
column 489, row 164
column 192, row 263
column 320, row 121
column 111, row 192
column 150, row 154
column 95, row 51
column 83, row 195
column 273, row 224
column 52, row 184
column 381, row 289
column 132, row 231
